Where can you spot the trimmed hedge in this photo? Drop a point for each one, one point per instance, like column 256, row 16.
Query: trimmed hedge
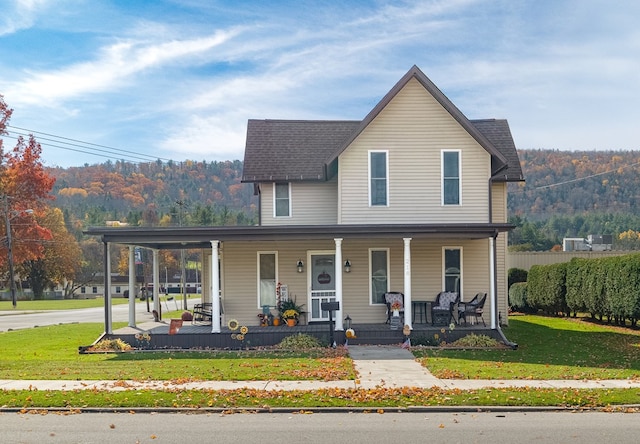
column 603, row 287
column 546, row 288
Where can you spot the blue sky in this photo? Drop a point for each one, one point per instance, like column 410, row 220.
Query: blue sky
column 178, row 79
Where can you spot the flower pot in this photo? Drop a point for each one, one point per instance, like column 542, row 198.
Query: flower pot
column 276, row 321
column 291, row 322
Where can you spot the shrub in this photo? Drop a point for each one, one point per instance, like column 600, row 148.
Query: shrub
column 474, row 340
column 110, row 345
column 518, row 297
column 299, row 341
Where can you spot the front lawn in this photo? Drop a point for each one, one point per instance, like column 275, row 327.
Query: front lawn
column 52, row 353
column 548, row 348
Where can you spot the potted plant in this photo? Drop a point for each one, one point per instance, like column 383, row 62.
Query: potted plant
column 289, row 309
column 291, row 316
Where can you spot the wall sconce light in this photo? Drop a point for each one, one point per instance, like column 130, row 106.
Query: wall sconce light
column 300, row 266
column 347, row 322
column 347, row 266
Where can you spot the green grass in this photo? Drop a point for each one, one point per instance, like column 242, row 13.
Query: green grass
column 52, row 353
column 548, row 348
column 374, row 399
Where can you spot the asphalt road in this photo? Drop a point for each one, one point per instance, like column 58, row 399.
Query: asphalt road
column 370, row 428
column 18, row 319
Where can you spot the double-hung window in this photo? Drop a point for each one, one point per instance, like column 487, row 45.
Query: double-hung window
column 452, row 262
column 379, row 262
column 281, row 199
column 451, row 177
column 378, row 178
column 267, row 278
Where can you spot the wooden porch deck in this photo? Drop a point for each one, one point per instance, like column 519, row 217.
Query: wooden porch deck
column 199, row 336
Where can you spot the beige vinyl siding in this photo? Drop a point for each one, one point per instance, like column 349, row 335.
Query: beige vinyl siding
column 499, row 202
column 414, row 128
column 312, row 203
column 240, row 286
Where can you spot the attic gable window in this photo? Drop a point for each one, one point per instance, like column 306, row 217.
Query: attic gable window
column 378, row 181
column 451, row 177
column 281, row 200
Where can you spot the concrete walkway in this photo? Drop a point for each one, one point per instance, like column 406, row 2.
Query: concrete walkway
column 377, row 366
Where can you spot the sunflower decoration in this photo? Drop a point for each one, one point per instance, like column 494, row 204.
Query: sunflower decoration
column 240, row 337
column 233, row 324
column 234, row 336
column 244, row 330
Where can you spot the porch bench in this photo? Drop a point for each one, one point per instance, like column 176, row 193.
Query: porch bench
column 203, row 312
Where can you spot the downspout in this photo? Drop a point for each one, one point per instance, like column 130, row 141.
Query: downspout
column 495, row 314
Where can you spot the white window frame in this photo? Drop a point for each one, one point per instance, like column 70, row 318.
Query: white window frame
column 444, row 271
column 370, row 178
column 443, row 178
column 371, row 250
column 258, row 286
column 275, row 199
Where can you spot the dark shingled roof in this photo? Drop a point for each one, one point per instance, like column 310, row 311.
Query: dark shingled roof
column 498, row 133
column 302, row 150
column 292, row 150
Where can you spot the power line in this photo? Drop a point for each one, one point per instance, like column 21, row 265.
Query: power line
column 91, row 147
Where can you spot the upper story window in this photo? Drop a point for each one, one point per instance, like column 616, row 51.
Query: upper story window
column 281, row 199
column 450, row 177
column 378, row 180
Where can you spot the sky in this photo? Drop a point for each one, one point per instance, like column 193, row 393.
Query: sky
column 140, row 80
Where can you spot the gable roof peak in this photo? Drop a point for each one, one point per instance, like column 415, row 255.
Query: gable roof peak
column 435, row 92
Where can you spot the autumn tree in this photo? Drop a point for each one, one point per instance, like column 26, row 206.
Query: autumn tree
column 61, row 259
column 25, row 188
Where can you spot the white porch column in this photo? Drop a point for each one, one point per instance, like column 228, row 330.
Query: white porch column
column 215, row 287
column 492, row 281
column 156, row 281
column 407, row 282
column 108, row 314
column 338, row 271
column 132, row 287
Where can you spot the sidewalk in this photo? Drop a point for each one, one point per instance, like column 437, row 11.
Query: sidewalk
column 377, row 366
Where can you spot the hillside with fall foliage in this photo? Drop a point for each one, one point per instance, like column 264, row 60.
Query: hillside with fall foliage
column 576, row 183
column 157, row 193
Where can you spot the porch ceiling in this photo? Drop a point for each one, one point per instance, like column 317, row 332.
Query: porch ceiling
column 171, row 238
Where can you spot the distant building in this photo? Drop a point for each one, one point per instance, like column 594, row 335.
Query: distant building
column 593, row 242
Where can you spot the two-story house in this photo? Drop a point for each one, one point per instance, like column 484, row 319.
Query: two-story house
column 413, row 198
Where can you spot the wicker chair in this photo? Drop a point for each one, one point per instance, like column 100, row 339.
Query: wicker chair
column 443, row 309
column 390, row 298
column 473, row 309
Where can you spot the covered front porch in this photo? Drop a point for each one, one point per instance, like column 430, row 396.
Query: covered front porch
column 231, row 267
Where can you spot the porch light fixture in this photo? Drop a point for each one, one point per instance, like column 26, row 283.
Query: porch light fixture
column 347, row 266
column 300, row 266
column 347, row 322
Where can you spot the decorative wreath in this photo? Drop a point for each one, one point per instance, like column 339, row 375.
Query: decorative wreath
column 233, row 324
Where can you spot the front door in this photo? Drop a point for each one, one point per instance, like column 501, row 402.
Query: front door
column 322, row 273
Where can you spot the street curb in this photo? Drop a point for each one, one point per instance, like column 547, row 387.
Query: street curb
column 313, row 410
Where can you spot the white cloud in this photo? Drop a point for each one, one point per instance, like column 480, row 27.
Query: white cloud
column 115, row 65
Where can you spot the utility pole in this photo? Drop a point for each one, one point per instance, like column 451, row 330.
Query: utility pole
column 12, row 281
